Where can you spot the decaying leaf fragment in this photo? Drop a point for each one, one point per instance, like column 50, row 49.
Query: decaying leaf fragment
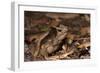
column 64, row 16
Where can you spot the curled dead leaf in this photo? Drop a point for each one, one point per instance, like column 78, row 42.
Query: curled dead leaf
column 84, row 45
column 85, row 30
column 87, row 18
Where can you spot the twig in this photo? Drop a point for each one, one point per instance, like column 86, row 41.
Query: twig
column 57, row 57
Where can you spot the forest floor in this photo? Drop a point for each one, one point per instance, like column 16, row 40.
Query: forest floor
column 56, row 36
